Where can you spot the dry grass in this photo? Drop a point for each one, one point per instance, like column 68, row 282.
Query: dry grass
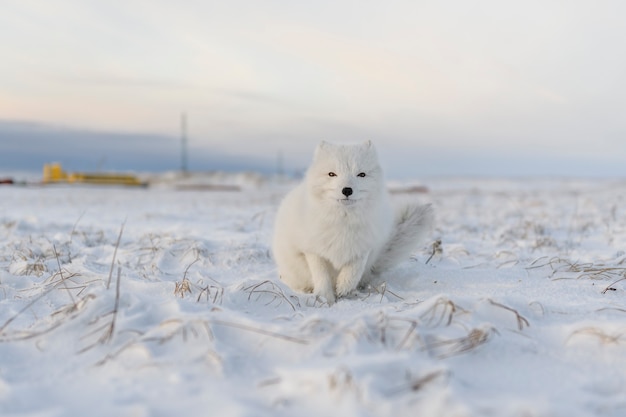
column 338, row 383
column 258, row 330
column 107, row 329
column 73, row 232
column 275, row 293
column 452, row 347
column 36, row 268
column 405, row 333
column 610, row 286
column 167, row 332
column 57, row 316
column 182, row 288
column 521, row 321
column 602, row 336
column 411, row 337
column 381, row 290
column 566, row 269
column 32, row 257
column 63, row 279
column 437, row 249
column 210, row 292
column 442, row 311
column 172, row 328
column 36, row 257
column 213, row 293
column 117, row 244
column 419, row 383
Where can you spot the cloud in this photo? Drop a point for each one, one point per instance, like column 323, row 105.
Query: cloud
column 108, row 80
column 28, row 145
column 259, row 78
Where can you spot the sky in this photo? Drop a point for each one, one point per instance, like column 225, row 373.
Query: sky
column 452, row 87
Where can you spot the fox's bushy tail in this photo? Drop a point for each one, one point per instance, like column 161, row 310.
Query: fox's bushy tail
column 412, row 225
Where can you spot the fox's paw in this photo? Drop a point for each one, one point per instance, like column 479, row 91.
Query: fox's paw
column 327, row 294
column 344, row 289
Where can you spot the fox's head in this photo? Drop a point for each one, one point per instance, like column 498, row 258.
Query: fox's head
column 346, row 174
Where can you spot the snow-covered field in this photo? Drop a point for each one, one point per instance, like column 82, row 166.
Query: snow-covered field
column 517, row 313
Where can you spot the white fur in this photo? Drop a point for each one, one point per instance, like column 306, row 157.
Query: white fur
column 327, row 243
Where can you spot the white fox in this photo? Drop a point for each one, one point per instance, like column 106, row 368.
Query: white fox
column 337, row 229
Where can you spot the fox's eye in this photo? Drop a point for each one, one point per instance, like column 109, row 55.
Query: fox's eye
column 362, row 175
column 332, row 174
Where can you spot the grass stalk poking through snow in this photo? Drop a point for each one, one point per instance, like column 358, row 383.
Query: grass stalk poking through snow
column 183, row 287
column 610, row 286
column 107, row 336
column 72, row 233
column 29, row 305
column 589, row 270
column 268, row 287
column 117, row 244
column 521, row 321
column 437, row 250
column 260, row 331
column 56, row 254
column 476, row 337
column 418, row 384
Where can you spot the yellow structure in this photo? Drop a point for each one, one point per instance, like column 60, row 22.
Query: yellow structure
column 53, row 173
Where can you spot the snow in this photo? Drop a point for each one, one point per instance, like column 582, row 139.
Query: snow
column 517, row 314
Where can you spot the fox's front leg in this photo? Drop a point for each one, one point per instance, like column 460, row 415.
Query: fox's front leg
column 321, row 277
column 350, row 275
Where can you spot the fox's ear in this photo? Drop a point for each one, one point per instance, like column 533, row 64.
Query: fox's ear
column 320, row 147
column 369, row 149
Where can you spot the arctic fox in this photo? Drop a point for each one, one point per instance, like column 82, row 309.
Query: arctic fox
column 337, row 228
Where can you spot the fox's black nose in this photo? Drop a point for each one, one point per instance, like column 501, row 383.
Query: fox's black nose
column 347, row 191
